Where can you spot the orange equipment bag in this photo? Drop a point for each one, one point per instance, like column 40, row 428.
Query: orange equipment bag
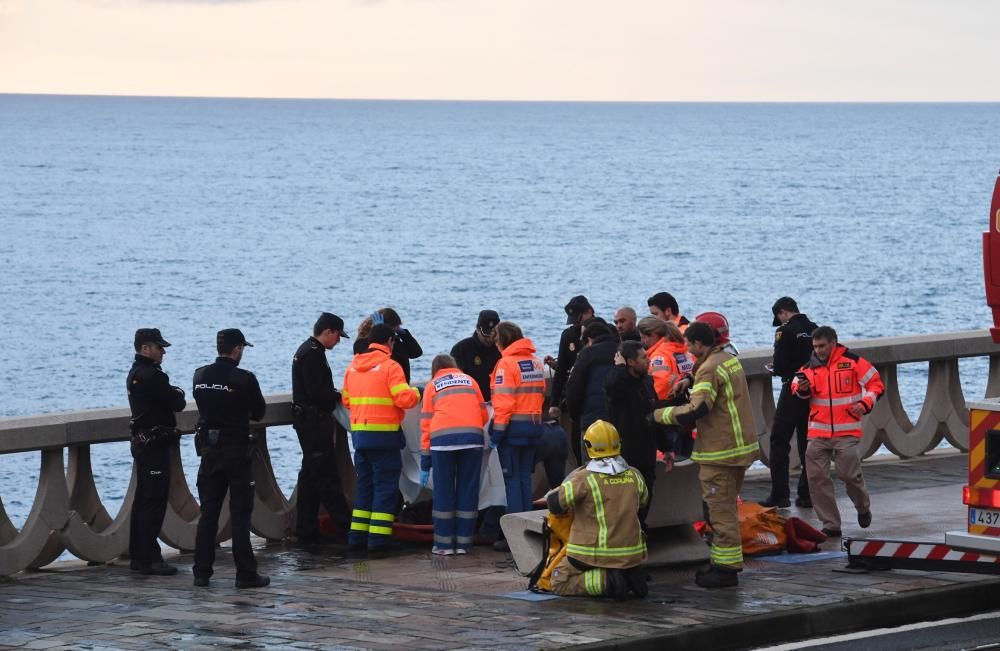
column 555, row 537
column 762, row 530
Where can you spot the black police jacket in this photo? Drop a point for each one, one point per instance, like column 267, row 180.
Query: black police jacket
column 151, row 397
column 630, row 400
column 569, row 348
column 792, row 346
column 228, row 397
column 404, row 349
column 312, row 379
column 478, row 360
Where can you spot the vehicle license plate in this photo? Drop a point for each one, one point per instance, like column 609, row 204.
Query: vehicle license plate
column 984, row 517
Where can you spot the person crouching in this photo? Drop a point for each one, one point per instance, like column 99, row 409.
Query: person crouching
column 452, row 440
column 606, row 545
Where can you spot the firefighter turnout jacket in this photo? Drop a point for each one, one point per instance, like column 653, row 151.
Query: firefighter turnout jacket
column 845, row 379
column 453, row 413
column 720, row 404
column 606, row 532
column 669, row 361
column 518, row 395
column 376, row 392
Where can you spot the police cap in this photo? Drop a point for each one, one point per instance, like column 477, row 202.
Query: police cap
column 231, row 337
column 150, row 336
column 576, row 306
column 332, row 322
column 488, row 320
column 783, row 303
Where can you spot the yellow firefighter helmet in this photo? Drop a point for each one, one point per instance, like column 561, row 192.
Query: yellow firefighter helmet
column 602, row 440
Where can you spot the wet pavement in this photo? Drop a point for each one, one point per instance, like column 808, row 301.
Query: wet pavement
column 319, row 600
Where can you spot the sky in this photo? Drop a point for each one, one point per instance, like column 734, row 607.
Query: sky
column 603, row 50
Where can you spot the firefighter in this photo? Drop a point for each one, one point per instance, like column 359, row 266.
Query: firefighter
column 452, row 441
column 376, row 392
column 726, row 445
column 518, row 395
column 841, row 388
column 606, row 545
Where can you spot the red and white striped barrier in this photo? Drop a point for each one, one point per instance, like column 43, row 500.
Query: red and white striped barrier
column 887, row 554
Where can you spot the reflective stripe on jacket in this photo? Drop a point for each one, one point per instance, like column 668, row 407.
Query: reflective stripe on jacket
column 668, row 362
column 720, row 404
column 518, row 395
column 834, row 387
column 376, row 393
column 606, row 530
column 453, row 413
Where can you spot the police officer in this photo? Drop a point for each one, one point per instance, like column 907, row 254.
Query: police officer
column 577, row 310
column 319, row 434
column 478, row 355
column 228, row 398
column 153, row 401
column 792, row 349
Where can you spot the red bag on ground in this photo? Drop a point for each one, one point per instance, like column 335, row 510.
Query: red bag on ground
column 803, row 538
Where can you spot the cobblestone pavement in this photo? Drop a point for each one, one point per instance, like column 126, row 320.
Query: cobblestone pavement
column 418, row 601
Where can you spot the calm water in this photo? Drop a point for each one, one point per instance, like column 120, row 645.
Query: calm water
column 193, row 215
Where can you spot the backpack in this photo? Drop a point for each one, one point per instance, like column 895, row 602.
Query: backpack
column 555, row 538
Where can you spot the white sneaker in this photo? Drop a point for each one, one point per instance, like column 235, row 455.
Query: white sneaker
column 461, row 551
column 442, row 551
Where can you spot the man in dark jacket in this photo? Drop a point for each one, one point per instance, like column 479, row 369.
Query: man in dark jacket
column 585, row 399
column 320, row 436
column 630, row 400
column 228, row 399
column 478, row 355
column 792, row 349
column 153, row 402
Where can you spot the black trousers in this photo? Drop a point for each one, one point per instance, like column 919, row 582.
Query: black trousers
column 319, row 482
column 790, row 416
column 225, row 468
column 150, row 502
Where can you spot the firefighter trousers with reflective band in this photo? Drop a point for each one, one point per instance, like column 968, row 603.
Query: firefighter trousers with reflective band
column 456, row 496
column 152, row 469
column 376, row 496
column 225, row 468
column 571, row 579
column 720, row 486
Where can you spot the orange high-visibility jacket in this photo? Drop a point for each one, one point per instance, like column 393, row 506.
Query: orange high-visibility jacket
column 844, row 380
column 518, row 395
column 454, row 412
column 376, row 392
column 668, row 362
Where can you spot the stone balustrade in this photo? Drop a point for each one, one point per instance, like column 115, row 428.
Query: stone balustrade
column 67, row 513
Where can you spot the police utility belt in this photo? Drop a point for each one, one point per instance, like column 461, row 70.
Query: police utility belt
column 305, row 414
column 156, row 435
column 209, row 438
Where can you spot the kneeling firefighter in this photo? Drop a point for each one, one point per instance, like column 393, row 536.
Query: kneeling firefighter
column 605, row 545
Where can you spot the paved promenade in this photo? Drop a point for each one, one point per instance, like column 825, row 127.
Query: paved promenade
column 416, row 601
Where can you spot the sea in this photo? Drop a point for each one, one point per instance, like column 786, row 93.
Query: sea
column 192, row 215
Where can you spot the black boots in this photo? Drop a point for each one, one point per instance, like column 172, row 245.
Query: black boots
column 716, row 577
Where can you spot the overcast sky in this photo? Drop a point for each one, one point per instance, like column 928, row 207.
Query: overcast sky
column 666, row 50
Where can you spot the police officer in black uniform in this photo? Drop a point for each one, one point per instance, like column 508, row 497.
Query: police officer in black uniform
column 153, row 402
column 792, row 349
column 478, row 355
column 228, row 398
column 578, row 310
column 320, row 435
